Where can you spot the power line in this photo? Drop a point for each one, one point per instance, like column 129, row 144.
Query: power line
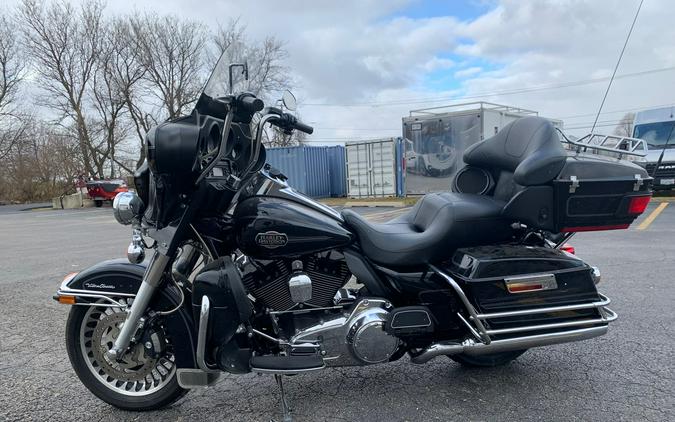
column 630, row 31
column 490, row 94
column 618, row 111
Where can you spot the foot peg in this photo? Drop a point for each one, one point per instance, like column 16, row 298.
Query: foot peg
column 193, row 378
column 287, row 365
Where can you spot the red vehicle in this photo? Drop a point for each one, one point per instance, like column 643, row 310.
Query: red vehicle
column 105, row 190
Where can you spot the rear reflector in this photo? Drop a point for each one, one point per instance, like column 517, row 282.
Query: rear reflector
column 594, row 228
column 638, row 204
column 519, row 288
column 530, row 283
column 568, row 248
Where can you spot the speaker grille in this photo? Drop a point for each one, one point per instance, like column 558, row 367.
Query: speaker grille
column 473, row 180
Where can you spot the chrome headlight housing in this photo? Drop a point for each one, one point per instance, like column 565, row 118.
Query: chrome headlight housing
column 127, row 207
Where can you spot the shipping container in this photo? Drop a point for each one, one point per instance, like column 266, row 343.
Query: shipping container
column 435, row 140
column 375, row 168
column 317, row 171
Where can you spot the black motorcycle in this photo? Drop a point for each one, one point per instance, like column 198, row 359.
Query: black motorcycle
column 249, row 275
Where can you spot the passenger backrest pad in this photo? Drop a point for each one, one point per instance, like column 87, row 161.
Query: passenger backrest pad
column 528, row 147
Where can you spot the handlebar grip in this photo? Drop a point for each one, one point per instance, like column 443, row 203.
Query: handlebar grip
column 303, row 127
column 251, row 103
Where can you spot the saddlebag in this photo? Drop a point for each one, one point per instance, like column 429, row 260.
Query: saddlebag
column 508, row 278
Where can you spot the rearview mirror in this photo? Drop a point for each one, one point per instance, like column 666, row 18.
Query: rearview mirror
column 289, row 101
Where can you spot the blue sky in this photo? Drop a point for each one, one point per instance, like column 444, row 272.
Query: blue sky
column 461, row 9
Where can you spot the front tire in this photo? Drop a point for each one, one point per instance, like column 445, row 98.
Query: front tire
column 487, row 361
column 138, row 383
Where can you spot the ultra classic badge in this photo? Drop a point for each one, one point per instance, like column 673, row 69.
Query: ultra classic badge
column 271, row 240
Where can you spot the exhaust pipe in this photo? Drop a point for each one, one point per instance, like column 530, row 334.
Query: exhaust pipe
column 470, row 347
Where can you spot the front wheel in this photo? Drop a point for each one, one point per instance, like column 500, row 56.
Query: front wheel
column 138, row 381
column 487, row 361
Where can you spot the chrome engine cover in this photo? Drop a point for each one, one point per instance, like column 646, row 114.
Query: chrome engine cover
column 357, row 337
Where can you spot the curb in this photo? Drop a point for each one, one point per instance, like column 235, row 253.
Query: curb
column 375, row 204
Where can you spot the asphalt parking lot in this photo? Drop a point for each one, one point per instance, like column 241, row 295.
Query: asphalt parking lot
column 628, row 374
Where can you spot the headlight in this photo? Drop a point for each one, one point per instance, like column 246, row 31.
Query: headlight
column 127, row 207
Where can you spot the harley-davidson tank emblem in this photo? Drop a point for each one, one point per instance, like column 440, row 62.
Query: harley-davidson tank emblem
column 271, row 240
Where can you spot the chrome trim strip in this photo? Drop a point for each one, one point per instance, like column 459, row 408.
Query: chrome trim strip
column 604, row 301
column 612, row 316
column 201, row 336
column 74, row 292
column 286, row 371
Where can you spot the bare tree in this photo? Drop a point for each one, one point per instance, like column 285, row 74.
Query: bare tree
column 113, row 81
column 173, row 54
column 42, row 165
column 129, row 72
column 11, row 74
column 625, row 126
column 65, row 45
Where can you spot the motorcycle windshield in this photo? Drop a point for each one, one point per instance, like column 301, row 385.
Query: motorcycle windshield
column 217, row 86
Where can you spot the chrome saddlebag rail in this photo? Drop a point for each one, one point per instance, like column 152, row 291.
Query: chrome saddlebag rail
column 478, row 324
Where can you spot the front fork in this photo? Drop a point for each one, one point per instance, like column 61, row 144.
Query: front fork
column 151, row 280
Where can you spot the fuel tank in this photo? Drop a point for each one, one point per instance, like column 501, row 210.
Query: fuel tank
column 281, row 227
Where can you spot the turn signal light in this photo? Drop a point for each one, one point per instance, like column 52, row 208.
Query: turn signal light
column 638, row 204
column 66, row 300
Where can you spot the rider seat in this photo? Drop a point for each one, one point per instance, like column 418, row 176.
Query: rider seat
column 526, row 152
column 437, row 225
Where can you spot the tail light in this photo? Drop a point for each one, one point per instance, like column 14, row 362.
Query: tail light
column 638, row 204
column 568, row 248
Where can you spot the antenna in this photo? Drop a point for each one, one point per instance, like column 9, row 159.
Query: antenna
column 630, row 31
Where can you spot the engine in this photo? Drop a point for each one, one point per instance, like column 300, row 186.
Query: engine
column 355, row 337
column 283, row 284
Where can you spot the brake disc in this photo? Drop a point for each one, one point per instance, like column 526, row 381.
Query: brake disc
column 135, row 365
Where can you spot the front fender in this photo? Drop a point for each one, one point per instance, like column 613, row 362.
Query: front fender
column 119, row 277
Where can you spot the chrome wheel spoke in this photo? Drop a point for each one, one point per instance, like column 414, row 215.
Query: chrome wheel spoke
column 137, row 373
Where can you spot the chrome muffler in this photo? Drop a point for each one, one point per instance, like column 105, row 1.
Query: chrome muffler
column 470, row 347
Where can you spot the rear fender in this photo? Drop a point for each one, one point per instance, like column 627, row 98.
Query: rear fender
column 115, row 278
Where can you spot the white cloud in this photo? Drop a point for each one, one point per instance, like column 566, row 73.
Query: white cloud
column 354, row 51
column 438, row 63
column 469, row 71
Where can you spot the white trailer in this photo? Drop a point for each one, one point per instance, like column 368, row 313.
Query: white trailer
column 437, row 137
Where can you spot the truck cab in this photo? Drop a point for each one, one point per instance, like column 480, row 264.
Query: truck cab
column 655, row 127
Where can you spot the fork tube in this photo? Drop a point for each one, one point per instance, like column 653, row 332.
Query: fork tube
column 151, row 279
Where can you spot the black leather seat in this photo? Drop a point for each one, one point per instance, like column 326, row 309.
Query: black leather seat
column 528, row 148
column 437, row 225
column 526, row 152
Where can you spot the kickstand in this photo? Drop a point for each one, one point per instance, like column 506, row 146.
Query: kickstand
column 285, row 408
